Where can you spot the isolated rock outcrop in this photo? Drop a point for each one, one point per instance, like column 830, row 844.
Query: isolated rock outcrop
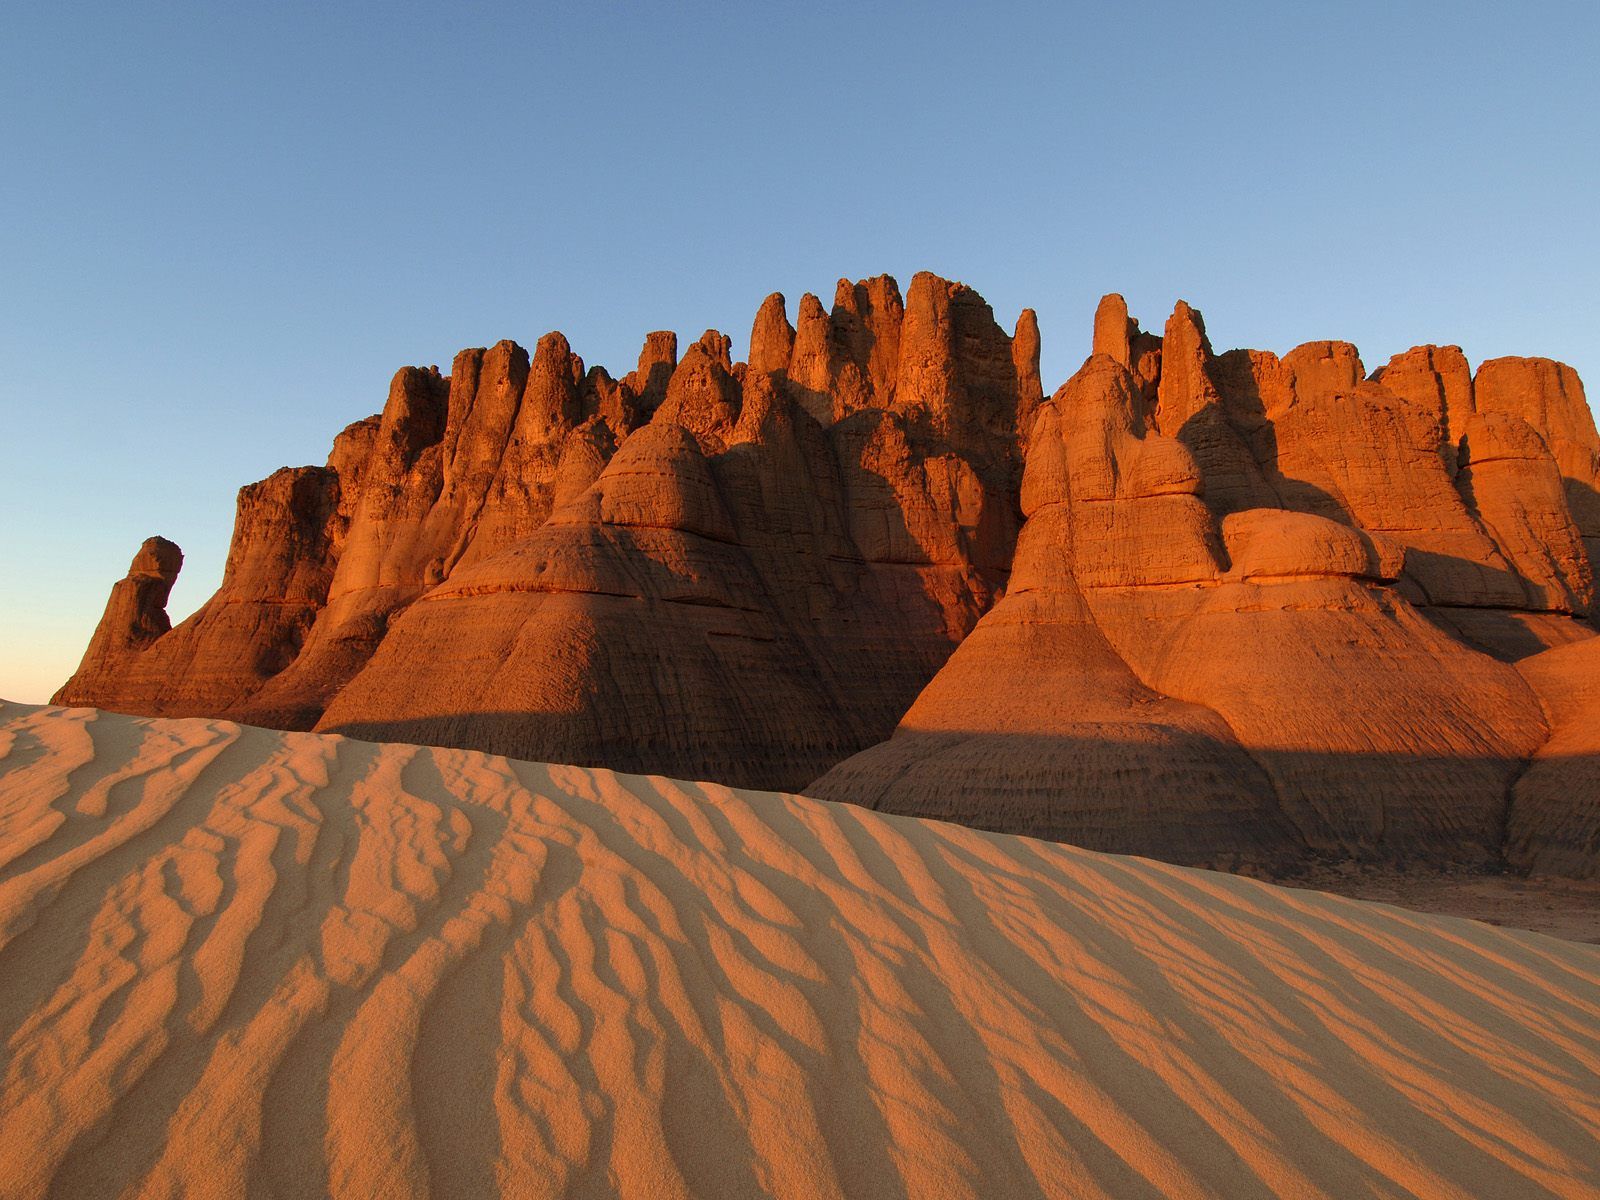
column 136, row 613
column 288, row 531
column 1215, row 607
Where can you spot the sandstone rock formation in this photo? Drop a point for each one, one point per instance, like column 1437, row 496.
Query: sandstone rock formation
column 1549, row 397
column 745, row 571
column 1260, row 607
column 1554, row 824
column 1171, row 649
column 1381, row 542
column 288, row 534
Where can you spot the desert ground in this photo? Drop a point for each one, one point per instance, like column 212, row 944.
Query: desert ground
column 242, row 962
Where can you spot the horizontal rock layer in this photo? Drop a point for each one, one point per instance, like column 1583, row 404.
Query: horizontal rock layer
column 1210, row 607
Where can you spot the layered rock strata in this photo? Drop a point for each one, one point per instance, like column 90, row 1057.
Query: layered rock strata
column 1209, row 688
column 1259, row 607
column 743, row 571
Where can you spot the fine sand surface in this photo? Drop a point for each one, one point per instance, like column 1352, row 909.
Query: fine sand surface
column 238, row 962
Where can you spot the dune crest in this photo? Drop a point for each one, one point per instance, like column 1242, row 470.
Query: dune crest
column 238, row 961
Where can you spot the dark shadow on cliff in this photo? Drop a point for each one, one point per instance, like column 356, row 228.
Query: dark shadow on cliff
column 1236, row 445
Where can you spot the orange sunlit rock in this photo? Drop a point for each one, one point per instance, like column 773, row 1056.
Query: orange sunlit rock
column 1237, row 606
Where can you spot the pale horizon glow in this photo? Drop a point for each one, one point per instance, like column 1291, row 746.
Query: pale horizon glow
column 222, row 231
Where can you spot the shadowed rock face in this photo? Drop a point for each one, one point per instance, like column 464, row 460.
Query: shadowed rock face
column 1554, row 822
column 1208, row 607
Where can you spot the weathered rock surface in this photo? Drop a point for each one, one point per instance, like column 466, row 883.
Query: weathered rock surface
column 739, row 571
column 1388, row 454
column 740, row 591
column 1260, row 608
column 1369, row 731
column 288, row 532
column 136, row 613
column 1554, row 823
column 1549, row 397
column 1037, row 725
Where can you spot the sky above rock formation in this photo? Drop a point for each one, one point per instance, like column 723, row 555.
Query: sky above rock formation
column 221, row 231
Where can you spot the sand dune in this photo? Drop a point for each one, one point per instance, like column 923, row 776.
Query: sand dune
column 238, row 962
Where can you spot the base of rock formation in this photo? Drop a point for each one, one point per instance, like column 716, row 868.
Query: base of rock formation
column 1547, row 904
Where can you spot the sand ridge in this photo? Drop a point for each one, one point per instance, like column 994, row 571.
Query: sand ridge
column 241, row 962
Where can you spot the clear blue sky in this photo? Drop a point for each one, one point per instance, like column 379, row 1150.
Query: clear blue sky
column 223, row 227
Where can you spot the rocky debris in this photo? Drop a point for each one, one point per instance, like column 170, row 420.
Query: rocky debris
column 1254, row 612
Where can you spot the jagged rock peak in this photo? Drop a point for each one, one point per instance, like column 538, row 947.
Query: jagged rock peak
column 813, row 362
column 1188, row 319
column 703, row 395
column 1025, row 347
column 771, row 337
column 1434, row 379
column 658, row 358
column 718, row 345
column 1184, row 386
column 550, row 403
column 157, row 558
column 1113, row 330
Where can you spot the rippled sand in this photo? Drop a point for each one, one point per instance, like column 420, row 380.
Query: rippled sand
column 239, row 962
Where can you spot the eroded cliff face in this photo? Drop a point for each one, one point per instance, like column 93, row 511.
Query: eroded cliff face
column 1259, row 608
column 1225, row 687
column 742, row 571
column 1263, row 607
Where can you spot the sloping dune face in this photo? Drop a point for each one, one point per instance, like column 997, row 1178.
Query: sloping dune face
column 241, row 962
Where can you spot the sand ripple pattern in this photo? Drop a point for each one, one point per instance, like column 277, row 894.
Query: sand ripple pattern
column 236, row 962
